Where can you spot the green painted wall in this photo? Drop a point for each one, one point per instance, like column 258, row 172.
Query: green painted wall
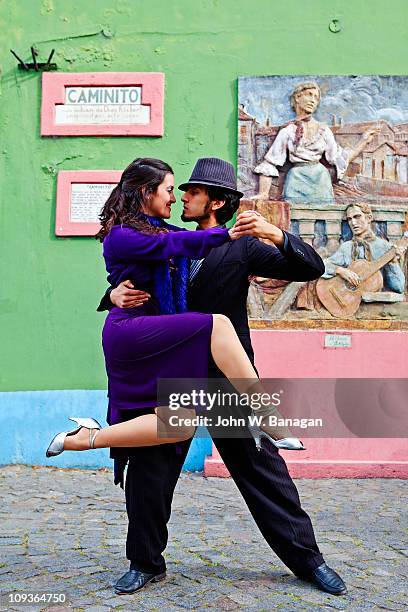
column 50, row 332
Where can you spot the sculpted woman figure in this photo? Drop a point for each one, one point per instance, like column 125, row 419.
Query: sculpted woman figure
column 305, row 141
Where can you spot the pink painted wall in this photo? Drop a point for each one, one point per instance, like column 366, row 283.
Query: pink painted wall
column 301, row 354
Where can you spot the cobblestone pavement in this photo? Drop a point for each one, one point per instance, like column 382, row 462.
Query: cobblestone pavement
column 64, row 531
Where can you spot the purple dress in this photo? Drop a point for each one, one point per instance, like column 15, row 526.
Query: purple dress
column 140, row 344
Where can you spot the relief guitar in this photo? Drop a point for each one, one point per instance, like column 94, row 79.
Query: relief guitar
column 340, row 298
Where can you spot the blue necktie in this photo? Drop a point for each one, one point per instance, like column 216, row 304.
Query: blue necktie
column 195, row 265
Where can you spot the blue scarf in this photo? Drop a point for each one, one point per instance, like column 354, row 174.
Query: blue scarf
column 170, row 278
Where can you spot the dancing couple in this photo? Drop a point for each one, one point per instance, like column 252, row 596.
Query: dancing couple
column 170, row 281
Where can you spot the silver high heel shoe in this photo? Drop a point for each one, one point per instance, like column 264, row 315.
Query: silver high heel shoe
column 285, row 443
column 56, row 446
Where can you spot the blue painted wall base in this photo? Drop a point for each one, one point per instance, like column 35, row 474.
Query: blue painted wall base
column 29, row 419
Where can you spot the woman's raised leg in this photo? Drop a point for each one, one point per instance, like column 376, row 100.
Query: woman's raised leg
column 231, row 359
column 140, row 431
column 228, row 352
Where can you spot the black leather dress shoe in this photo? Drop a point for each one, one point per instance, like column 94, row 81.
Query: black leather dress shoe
column 326, row 579
column 134, row 580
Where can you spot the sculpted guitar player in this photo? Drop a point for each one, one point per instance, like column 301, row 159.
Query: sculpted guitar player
column 366, row 263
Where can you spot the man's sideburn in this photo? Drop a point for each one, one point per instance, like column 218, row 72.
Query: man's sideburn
column 203, row 217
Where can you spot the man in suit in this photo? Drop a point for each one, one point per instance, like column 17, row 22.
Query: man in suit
column 219, row 284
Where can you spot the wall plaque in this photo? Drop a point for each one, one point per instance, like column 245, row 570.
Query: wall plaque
column 81, row 195
column 337, row 341
column 102, row 104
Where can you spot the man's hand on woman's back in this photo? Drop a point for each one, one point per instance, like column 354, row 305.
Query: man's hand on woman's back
column 126, row 296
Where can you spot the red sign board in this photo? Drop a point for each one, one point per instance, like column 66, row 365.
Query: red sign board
column 80, row 197
column 102, row 104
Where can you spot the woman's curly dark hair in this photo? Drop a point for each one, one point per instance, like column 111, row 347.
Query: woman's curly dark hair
column 124, row 205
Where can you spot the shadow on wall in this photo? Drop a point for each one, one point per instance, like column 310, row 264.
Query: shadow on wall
column 29, row 419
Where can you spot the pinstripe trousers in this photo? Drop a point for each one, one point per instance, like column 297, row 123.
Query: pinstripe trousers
column 261, row 477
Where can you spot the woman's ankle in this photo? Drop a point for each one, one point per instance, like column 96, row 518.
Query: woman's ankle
column 78, row 441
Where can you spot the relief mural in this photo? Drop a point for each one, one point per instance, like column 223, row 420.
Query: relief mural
column 327, row 159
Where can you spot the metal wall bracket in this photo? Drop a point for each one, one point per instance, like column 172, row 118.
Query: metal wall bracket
column 37, row 66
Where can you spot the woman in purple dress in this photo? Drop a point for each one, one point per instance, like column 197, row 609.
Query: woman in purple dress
column 159, row 339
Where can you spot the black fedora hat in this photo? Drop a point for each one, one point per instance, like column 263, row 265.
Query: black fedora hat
column 214, row 172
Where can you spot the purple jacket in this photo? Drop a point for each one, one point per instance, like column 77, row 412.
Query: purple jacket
column 131, row 254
